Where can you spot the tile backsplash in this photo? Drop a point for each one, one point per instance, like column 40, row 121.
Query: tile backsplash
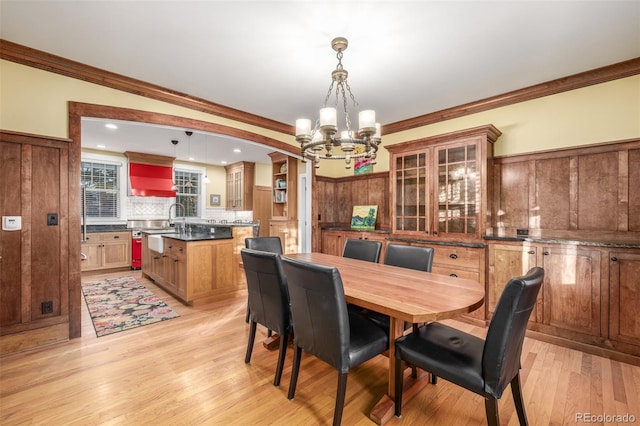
column 149, row 208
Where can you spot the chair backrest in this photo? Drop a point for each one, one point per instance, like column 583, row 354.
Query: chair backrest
column 505, row 336
column 319, row 311
column 411, row 257
column 362, row 249
column 267, row 288
column 270, row 244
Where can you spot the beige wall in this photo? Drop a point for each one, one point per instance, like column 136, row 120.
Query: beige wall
column 35, row 101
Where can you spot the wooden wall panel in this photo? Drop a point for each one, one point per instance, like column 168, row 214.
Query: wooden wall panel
column 10, row 241
column 45, row 240
column 553, row 202
column 634, row 190
column 513, row 211
column 598, row 192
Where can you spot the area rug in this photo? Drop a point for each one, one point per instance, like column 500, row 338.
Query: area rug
column 123, row 303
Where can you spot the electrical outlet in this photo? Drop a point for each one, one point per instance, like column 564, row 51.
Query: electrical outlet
column 47, row 307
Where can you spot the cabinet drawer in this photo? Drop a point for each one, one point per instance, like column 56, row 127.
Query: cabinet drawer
column 460, row 273
column 457, row 257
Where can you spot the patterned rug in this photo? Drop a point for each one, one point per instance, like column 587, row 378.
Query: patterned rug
column 123, row 303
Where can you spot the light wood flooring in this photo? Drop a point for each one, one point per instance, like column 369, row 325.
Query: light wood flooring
column 191, row 371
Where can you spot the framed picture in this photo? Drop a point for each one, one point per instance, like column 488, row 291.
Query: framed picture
column 364, row 218
column 214, row 199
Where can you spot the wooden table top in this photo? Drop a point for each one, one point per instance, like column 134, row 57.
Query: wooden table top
column 405, row 294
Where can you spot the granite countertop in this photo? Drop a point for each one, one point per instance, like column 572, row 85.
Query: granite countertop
column 107, row 228
column 196, row 237
column 549, row 240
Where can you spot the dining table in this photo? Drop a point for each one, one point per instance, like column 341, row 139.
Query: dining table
column 405, row 295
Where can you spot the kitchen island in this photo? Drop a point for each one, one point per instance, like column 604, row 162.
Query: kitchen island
column 198, row 266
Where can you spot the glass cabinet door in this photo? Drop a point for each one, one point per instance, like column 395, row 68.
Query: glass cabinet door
column 458, row 190
column 412, row 201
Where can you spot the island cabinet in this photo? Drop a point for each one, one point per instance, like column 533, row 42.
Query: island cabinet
column 193, row 271
column 106, row 250
column 588, row 295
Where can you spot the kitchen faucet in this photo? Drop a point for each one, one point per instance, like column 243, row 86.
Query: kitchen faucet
column 176, row 206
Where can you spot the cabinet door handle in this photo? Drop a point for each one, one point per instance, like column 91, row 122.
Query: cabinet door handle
column 614, row 259
column 435, row 232
column 155, row 258
column 453, row 275
column 546, row 253
column 531, row 252
column 115, row 237
column 453, row 256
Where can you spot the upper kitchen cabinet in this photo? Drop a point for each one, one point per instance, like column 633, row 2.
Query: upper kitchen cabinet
column 240, row 180
column 285, row 186
column 439, row 184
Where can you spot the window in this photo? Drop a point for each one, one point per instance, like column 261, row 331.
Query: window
column 102, row 189
column 188, row 183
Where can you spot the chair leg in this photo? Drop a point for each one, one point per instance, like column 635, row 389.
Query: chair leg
column 340, row 397
column 434, row 379
column 281, row 356
column 248, row 314
column 295, row 369
column 516, row 390
column 269, row 332
column 252, row 338
column 398, row 387
column 491, row 408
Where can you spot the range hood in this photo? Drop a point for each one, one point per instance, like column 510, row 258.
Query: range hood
column 150, row 175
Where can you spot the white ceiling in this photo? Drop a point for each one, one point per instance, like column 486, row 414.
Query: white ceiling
column 273, row 58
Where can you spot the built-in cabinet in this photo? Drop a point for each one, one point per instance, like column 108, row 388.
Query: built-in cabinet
column 588, row 295
column 240, row 178
column 106, row 250
column 439, row 185
column 284, row 203
column 38, row 275
column 193, row 271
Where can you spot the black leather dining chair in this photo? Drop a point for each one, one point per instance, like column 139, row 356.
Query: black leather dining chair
column 362, row 249
column 268, row 300
column 270, row 244
column 324, row 327
column 483, row 366
column 410, row 257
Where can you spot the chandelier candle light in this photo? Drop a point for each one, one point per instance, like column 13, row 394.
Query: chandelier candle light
column 325, row 136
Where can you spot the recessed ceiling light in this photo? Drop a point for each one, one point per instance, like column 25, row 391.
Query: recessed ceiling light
column 100, row 146
column 191, row 158
column 223, row 162
column 237, row 150
column 111, row 126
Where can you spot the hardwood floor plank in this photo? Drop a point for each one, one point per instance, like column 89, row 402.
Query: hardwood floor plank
column 191, row 371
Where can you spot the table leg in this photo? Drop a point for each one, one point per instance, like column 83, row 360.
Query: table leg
column 383, row 411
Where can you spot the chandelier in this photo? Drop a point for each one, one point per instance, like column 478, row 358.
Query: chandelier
column 319, row 142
